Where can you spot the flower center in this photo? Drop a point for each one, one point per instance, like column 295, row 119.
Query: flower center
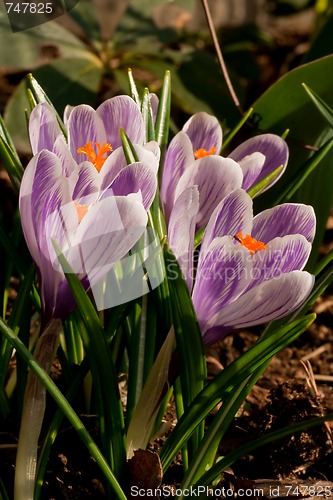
column 201, row 153
column 81, row 210
column 96, row 158
column 250, row 243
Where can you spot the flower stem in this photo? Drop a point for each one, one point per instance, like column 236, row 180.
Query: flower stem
column 33, row 414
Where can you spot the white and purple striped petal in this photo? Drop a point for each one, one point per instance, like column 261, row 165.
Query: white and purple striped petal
column 232, row 215
column 272, row 147
column 121, row 112
column 84, row 126
column 251, row 166
column 282, row 255
column 268, row 301
column 43, row 128
column 179, row 157
column 215, row 177
column 223, row 274
column 134, row 178
column 204, row 132
column 289, row 218
column 181, row 230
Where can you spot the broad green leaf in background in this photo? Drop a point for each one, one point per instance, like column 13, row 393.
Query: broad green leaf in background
column 287, row 105
column 34, row 47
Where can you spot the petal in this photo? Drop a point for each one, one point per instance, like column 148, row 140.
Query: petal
column 67, row 112
column 88, row 181
column 60, row 148
column 134, row 178
column 270, row 300
column 149, row 153
column 25, row 208
column 224, row 272
column 43, row 192
column 44, row 189
column 102, row 240
column 121, row 112
column 154, row 102
column 84, row 126
column 181, row 230
column 251, row 166
column 289, row 218
column 178, row 158
column 204, row 132
column 231, row 216
column 282, row 256
column 272, row 146
column 215, row 177
column 43, row 127
column 112, row 166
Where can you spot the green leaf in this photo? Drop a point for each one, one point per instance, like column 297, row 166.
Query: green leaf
column 13, row 167
column 133, row 88
column 241, row 451
column 192, row 362
column 321, row 105
column 65, row 407
column 147, row 115
column 286, row 106
column 99, row 355
column 31, row 48
column 143, row 419
column 260, row 186
column 205, row 455
column 129, row 150
column 303, row 172
column 65, row 81
column 38, row 95
column 230, row 135
column 163, row 113
column 224, row 383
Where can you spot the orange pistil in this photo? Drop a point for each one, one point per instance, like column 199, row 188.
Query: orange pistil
column 201, row 153
column 250, row 243
column 81, row 210
column 97, row 159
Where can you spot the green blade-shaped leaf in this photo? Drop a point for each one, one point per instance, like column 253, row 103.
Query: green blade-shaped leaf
column 321, row 105
column 285, row 105
column 147, row 116
column 143, row 419
column 240, row 451
column 65, row 407
column 260, row 186
column 163, row 115
column 129, row 150
column 230, row 378
column 303, row 173
column 39, row 95
column 133, row 88
column 102, row 366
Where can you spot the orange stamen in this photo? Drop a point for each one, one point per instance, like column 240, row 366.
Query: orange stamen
column 81, row 210
column 97, row 159
column 201, row 153
column 250, row 243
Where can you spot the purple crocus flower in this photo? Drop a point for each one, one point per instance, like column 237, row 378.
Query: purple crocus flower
column 249, row 270
column 192, row 158
column 96, row 210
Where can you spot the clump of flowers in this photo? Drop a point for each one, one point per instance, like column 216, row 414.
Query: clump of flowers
column 86, row 198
